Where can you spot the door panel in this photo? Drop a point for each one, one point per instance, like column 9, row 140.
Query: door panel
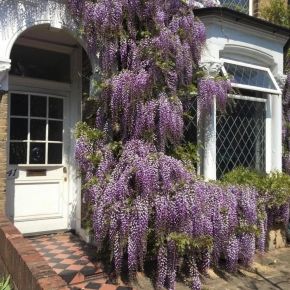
column 41, row 207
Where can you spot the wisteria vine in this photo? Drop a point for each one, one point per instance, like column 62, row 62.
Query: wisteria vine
column 148, row 55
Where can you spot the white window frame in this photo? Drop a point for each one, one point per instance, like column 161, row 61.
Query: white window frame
column 248, row 87
column 28, row 141
column 273, row 126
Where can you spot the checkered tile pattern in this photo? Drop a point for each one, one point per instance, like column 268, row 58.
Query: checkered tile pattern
column 74, row 261
column 70, row 258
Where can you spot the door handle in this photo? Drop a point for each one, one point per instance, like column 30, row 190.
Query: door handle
column 64, row 173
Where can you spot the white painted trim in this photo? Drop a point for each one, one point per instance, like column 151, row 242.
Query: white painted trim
column 268, row 133
column 250, row 54
column 46, row 45
column 223, row 24
column 39, row 86
column 276, row 137
column 247, row 98
column 75, row 110
column 251, row 10
column 72, row 106
column 46, row 119
column 207, row 137
column 255, row 88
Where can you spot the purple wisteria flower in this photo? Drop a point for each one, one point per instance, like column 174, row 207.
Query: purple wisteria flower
column 148, row 55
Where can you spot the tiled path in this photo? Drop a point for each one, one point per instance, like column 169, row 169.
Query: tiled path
column 74, row 261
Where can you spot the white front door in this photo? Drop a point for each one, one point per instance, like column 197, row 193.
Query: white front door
column 37, row 167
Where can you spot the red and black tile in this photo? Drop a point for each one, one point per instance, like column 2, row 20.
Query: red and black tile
column 74, row 261
column 71, row 258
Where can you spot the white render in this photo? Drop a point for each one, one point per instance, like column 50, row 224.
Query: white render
column 16, row 18
column 236, row 41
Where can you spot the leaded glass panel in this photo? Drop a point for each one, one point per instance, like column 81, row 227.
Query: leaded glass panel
column 249, row 76
column 241, row 136
column 238, row 5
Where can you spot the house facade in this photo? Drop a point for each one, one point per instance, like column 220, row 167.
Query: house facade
column 41, row 91
column 42, row 64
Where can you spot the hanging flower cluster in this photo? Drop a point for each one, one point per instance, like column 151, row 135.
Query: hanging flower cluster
column 286, row 124
column 149, row 55
column 145, row 190
column 283, row 211
column 210, row 89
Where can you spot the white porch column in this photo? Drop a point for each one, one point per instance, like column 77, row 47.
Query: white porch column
column 268, row 133
column 276, row 133
column 207, row 140
column 207, row 129
column 5, row 65
column 276, row 125
column 75, row 116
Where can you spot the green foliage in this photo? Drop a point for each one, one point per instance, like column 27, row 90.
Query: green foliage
column 251, row 229
column 247, row 177
column 5, row 283
column 276, row 185
column 277, row 12
column 184, row 243
column 91, row 134
column 188, row 153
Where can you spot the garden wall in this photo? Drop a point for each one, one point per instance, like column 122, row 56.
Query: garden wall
column 28, row 269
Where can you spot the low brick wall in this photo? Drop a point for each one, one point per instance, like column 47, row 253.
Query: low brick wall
column 28, row 269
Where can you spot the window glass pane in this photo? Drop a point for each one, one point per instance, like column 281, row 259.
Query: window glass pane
column 40, row 63
column 19, row 105
column 241, row 136
column 238, row 5
column 18, row 153
column 54, row 153
column 18, row 129
column 190, row 120
column 55, row 108
column 38, row 106
column 37, row 153
column 37, row 129
column 249, row 76
column 55, row 131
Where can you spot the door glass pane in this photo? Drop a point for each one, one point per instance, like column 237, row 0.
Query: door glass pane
column 19, row 105
column 55, row 131
column 54, row 153
column 37, row 153
column 38, row 106
column 18, row 129
column 37, row 129
column 40, row 63
column 18, row 153
column 55, row 108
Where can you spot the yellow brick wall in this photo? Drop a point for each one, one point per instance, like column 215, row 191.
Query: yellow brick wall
column 3, row 141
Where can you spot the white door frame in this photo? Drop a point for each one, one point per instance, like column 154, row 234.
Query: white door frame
column 72, row 95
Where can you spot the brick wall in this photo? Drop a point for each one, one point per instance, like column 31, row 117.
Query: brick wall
column 28, row 269
column 3, row 141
